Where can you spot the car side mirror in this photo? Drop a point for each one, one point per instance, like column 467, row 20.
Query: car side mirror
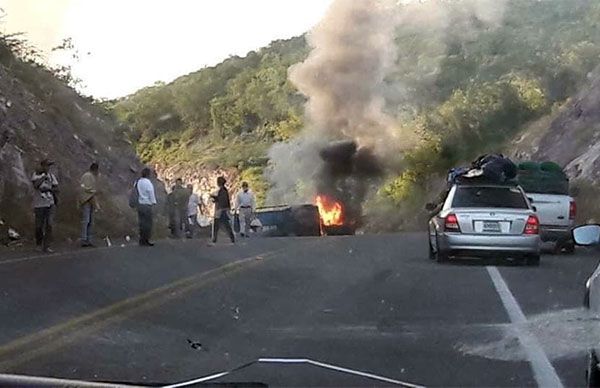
column 587, row 235
column 430, row 207
column 534, row 208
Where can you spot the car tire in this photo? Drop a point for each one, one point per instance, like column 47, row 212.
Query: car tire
column 569, row 247
column 533, row 260
column 440, row 257
column 431, row 252
column 592, row 374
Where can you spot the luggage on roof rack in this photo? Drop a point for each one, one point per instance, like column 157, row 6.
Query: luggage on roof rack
column 489, row 168
column 543, row 178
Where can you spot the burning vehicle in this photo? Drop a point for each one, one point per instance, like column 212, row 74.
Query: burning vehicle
column 281, row 221
column 342, row 185
column 345, row 173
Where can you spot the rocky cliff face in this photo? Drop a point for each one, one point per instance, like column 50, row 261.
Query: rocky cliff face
column 40, row 117
column 571, row 137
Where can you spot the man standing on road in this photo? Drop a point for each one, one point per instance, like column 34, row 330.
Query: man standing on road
column 192, row 212
column 222, row 209
column 180, row 204
column 245, row 204
column 45, row 187
column 146, row 199
column 88, row 203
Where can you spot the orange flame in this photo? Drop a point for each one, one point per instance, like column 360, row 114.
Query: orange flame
column 331, row 211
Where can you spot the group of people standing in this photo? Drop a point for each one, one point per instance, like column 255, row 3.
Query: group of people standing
column 183, row 206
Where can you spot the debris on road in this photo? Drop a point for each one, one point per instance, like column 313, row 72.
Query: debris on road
column 236, row 312
column 13, row 234
column 195, row 345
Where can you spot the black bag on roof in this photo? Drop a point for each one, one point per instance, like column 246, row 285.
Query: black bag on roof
column 488, row 168
column 496, row 167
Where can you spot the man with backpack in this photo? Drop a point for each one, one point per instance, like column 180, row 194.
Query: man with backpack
column 222, row 208
column 45, row 187
column 143, row 198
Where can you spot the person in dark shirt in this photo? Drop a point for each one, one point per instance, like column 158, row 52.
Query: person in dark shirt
column 222, row 209
column 180, row 199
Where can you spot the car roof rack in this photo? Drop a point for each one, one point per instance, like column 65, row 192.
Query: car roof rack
column 485, row 182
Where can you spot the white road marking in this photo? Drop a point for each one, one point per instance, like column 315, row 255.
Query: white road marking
column 543, row 371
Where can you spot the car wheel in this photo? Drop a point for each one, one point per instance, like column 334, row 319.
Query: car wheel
column 592, row 375
column 440, row 256
column 533, row 260
column 431, row 252
column 569, row 247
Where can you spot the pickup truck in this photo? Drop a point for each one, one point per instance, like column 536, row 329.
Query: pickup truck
column 547, row 187
column 556, row 213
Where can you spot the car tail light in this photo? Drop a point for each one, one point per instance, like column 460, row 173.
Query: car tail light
column 572, row 210
column 532, row 226
column 451, row 223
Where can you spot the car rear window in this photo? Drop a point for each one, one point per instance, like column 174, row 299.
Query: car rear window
column 506, row 197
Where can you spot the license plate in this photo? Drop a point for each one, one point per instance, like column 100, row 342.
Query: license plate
column 491, row 227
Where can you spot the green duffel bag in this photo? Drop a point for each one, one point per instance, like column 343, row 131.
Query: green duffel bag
column 529, row 166
column 551, row 167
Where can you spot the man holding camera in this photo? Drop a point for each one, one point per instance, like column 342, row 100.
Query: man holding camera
column 45, row 189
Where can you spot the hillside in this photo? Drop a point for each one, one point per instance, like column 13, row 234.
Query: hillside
column 41, row 117
column 571, row 137
column 462, row 84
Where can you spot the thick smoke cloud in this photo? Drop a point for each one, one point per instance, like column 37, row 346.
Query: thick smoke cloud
column 345, row 175
column 350, row 75
column 343, row 78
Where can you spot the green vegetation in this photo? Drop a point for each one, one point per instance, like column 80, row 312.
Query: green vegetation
column 225, row 115
column 467, row 92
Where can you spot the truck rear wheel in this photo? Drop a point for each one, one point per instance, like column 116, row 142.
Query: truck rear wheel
column 569, row 247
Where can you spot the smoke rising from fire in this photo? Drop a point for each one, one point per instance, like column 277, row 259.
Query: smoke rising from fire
column 348, row 81
column 343, row 78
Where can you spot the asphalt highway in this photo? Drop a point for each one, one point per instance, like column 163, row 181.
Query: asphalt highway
column 374, row 304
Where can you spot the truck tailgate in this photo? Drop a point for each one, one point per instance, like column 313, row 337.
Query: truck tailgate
column 552, row 209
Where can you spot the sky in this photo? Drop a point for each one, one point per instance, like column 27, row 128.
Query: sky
column 125, row 45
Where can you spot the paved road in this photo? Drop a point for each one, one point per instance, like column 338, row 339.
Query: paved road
column 373, row 303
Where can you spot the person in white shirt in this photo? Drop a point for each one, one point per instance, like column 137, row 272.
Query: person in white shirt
column 245, row 204
column 192, row 211
column 146, row 200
